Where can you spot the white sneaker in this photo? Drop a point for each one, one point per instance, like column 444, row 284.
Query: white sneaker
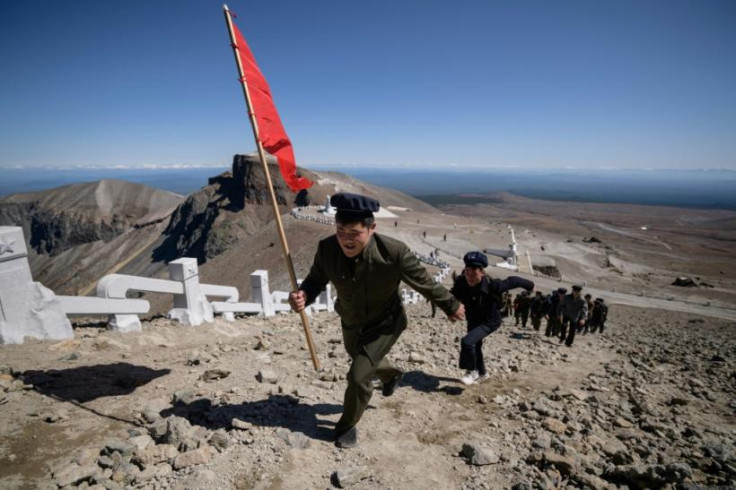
column 483, row 377
column 471, row 377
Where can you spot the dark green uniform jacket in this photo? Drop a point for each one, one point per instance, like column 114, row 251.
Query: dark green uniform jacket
column 367, row 285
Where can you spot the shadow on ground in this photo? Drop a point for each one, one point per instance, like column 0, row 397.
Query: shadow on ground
column 276, row 411
column 427, row 383
column 86, row 383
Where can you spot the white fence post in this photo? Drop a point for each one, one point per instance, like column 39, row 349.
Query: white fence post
column 27, row 308
column 124, row 323
column 261, row 292
column 326, row 298
column 230, row 294
column 192, row 307
column 123, row 317
column 117, row 322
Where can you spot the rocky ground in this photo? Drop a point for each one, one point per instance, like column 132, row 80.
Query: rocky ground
column 650, row 403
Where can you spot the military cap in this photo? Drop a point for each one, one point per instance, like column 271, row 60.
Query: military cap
column 476, row 259
column 599, row 300
column 354, row 204
column 577, row 287
column 562, row 290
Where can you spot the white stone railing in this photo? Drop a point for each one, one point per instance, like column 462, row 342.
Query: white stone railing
column 27, row 308
column 90, row 305
column 409, row 296
column 191, row 299
column 322, row 219
column 431, row 260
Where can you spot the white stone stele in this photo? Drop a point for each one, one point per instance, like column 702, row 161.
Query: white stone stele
column 511, row 254
column 27, row 308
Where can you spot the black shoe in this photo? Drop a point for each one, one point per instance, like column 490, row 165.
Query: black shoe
column 390, row 387
column 347, row 439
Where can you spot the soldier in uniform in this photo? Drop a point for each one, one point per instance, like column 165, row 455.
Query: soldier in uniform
column 483, row 298
column 517, row 309
column 552, row 314
column 589, row 302
column 537, row 308
column 573, row 312
column 525, row 303
column 509, row 304
column 600, row 313
column 506, row 305
column 366, row 269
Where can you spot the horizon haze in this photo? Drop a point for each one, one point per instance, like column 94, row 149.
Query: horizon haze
column 709, row 189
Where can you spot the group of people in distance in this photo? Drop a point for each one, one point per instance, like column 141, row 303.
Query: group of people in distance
column 566, row 314
column 366, row 269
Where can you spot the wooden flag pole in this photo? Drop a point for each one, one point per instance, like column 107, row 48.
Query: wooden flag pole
column 262, row 156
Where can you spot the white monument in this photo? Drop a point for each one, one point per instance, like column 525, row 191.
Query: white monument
column 328, row 209
column 27, row 308
column 511, row 254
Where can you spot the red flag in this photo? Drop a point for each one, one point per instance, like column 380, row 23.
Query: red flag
column 270, row 130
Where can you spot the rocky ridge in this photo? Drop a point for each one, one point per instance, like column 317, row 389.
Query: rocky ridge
column 65, row 217
column 78, row 233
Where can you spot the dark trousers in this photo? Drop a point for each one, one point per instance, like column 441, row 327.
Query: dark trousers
column 597, row 325
column 536, row 322
column 368, row 362
column 568, row 329
column 471, row 355
column 524, row 317
column 553, row 326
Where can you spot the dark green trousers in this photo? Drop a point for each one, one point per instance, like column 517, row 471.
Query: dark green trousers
column 368, row 349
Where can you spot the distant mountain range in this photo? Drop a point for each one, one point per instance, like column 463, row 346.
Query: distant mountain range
column 708, row 189
column 79, row 233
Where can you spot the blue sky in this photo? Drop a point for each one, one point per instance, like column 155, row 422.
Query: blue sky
column 635, row 84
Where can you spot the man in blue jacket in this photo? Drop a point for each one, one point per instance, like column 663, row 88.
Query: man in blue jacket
column 482, row 298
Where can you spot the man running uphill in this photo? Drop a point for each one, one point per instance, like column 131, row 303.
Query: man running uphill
column 482, row 298
column 366, row 269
